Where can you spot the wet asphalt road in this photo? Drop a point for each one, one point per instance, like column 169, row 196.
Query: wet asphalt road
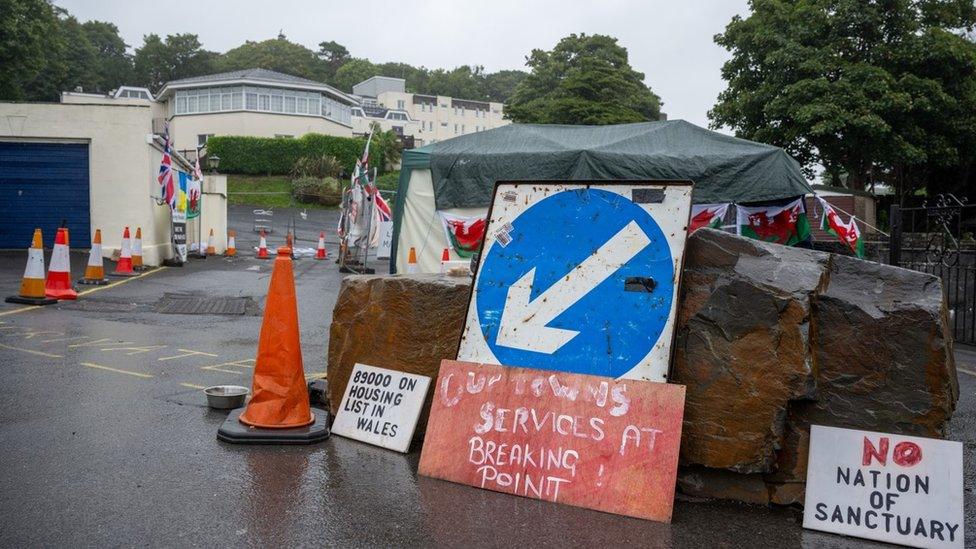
column 106, row 439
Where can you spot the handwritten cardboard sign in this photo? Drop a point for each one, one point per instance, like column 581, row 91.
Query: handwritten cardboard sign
column 899, row 489
column 588, row 441
column 381, row 407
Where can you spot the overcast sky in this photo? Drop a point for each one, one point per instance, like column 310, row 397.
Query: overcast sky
column 669, row 41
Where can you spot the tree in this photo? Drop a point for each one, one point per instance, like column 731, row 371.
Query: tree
column 81, row 60
column 583, row 80
column 179, row 56
column 114, row 67
column 30, row 50
column 500, row 85
column 464, row 82
column 389, row 142
column 333, row 55
column 874, row 91
column 278, row 54
column 353, row 72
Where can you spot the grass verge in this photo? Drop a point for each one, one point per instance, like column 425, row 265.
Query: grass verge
column 277, row 187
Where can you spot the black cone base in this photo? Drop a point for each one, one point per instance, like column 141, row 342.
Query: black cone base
column 235, row 432
column 31, row 300
column 93, row 281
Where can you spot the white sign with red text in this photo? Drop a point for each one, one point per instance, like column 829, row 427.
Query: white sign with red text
column 893, row 488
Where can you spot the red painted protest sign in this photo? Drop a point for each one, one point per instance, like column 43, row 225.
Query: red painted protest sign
column 588, row 441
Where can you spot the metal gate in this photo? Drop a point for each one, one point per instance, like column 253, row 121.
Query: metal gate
column 937, row 238
column 44, row 185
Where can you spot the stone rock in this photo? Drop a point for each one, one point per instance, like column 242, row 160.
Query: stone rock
column 406, row 323
column 771, row 340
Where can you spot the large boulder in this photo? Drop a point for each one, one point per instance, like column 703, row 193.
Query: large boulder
column 769, row 340
column 773, row 339
column 404, row 323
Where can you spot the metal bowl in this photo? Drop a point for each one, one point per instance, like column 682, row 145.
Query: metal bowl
column 226, row 397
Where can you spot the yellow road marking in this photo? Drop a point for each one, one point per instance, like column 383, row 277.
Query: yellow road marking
column 116, row 370
column 135, row 350
column 31, row 351
column 965, row 371
column 32, row 334
column 316, row 375
column 188, row 353
column 63, row 339
column 101, row 341
column 237, row 363
column 86, row 292
column 192, row 386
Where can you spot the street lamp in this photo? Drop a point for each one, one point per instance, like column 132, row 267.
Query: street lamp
column 214, row 162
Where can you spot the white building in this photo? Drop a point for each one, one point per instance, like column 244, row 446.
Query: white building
column 428, row 118
column 253, row 102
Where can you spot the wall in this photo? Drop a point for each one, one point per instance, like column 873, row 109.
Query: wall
column 122, row 164
column 444, row 113
column 185, row 128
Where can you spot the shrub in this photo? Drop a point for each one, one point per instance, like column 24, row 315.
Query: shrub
column 277, row 155
column 327, row 191
column 316, row 166
column 388, row 181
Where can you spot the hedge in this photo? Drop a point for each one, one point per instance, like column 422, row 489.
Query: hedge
column 277, row 155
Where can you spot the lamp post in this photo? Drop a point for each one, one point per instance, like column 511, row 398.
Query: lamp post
column 213, row 161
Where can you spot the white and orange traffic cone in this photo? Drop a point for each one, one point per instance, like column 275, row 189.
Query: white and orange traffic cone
column 412, row 261
column 445, row 257
column 95, row 271
column 211, row 250
column 263, row 247
column 137, row 251
column 32, row 285
column 231, row 243
column 320, row 253
column 58, row 283
column 124, row 266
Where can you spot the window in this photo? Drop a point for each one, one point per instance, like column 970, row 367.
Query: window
column 214, row 102
column 180, row 105
column 400, row 104
column 276, row 102
column 225, row 102
column 462, row 111
column 237, row 100
column 302, row 105
column 443, row 105
column 264, row 102
column 251, row 101
column 443, row 124
column 191, row 104
column 202, row 138
column 462, row 128
column 455, row 128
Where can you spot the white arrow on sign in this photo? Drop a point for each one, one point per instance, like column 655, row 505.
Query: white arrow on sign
column 524, row 320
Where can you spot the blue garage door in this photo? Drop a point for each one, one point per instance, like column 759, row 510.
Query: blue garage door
column 43, row 185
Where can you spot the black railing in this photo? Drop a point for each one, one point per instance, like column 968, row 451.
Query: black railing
column 937, row 238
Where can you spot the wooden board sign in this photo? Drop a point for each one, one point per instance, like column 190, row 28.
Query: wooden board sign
column 894, row 488
column 381, row 407
column 582, row 440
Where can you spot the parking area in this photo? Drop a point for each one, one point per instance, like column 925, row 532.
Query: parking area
column 107, row 440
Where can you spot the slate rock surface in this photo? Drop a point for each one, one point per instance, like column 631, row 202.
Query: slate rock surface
column 406, row 323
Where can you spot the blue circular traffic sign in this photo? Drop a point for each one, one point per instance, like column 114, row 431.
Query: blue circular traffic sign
column 585, row 284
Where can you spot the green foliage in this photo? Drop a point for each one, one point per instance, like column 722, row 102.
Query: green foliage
column 263, row 192
column 389, row 143
column 502, row 84
column 319, row 166
column 313, row 190
column 585, row 79
column 277, row 156
column 278, row 54
column 333, row 56
column 178, row 56
column 873, row 91
column 388, row 181
column 26, row 27
column 114, row 67
column 353, row 72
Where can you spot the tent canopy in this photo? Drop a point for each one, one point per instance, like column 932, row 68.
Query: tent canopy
column 723, row 168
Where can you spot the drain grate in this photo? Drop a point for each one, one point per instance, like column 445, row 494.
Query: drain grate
column 193, row 305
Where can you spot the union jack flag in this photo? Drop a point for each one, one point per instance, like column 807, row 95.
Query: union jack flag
column 167, row 182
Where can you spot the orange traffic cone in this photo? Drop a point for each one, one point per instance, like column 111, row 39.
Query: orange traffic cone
column 137, row 251
column 231, row 244
column 210, row 244
column 321, row 253
column 58, row 283
column 412, row 261
column 263, row 247
column 95, row 271
column 124, row 266
column 32, row 285
column 445, row 257
column 279, row 409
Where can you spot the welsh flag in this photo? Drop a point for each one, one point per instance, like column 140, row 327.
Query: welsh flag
column 707, row 215
column 787, row 224
column 848, row 233
column 464, row 233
